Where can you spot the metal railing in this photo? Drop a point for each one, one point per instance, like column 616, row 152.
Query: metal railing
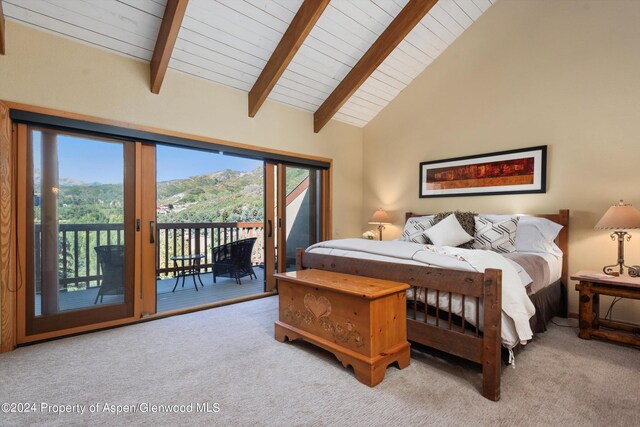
column 78, row 263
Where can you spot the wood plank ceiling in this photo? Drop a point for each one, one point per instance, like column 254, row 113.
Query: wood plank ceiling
column 229, row 42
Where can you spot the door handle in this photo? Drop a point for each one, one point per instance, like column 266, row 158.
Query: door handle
column 270, row 232
column 152, row 229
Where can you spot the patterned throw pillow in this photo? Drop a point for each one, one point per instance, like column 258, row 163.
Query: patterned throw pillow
column 466, row 220
column 414, row 228
column 498, row 236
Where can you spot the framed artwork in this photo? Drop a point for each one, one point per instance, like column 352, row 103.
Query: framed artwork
column 506, row 172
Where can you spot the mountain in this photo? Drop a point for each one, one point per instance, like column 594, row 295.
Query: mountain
column 62, row 181
column 223, row 196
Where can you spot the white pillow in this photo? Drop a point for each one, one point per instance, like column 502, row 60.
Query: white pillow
column 414, row 228
column 537, row 235
column 448, row 232
column 497, row 236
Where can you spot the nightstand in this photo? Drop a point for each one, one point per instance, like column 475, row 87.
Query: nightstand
column 592, row 285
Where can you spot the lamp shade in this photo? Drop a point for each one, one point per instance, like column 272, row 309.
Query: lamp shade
column 619, row 217
column 380, row 217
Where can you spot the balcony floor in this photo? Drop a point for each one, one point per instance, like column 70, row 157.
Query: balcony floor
column 224, row 289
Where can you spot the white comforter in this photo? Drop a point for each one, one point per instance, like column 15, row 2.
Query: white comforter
column 517, row 308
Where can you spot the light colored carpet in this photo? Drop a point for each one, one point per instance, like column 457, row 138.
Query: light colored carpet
column 228, row 356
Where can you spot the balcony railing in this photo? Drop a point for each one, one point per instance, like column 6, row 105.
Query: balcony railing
column 180, row 239
column 78, row 264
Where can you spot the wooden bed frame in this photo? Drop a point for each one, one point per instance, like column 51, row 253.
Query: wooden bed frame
column 435, row 327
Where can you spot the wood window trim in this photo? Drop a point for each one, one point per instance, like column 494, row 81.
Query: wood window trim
column 204, row 141
column 281, row 219
column 2, row 31
column 146, row 191
column 327, row 204
column 8, row 279
column 270, row 229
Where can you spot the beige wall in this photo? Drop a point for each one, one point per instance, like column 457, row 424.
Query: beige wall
column 529, row 72
column 51, row 71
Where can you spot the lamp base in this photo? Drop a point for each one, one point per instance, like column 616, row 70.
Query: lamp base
column 633, row 271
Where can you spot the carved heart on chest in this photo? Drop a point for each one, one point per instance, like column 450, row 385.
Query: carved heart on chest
column 319, row 307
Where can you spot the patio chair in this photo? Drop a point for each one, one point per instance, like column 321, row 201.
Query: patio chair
column 111, row 260
column 234, row 260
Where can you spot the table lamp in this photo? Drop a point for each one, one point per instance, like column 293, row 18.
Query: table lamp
column 380, row 217
column 619, row 217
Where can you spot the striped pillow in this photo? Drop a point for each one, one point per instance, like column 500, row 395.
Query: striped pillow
column 415, row 227
column 497, row 236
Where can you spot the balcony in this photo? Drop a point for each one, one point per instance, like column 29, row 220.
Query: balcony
column 80, row 275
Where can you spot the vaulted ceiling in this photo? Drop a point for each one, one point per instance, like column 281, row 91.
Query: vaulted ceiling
column 340, row 53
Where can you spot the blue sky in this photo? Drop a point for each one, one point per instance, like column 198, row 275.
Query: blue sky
column 99, row 161
column 174, row 163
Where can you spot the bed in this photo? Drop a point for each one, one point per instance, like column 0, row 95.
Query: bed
column 454, row 309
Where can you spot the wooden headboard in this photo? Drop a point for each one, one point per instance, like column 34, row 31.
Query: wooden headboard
column 562, row 218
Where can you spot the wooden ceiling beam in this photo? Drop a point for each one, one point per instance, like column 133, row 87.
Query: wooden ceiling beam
column 298, row 30
column 406, row 20
column 167, row 36
column 2, row 30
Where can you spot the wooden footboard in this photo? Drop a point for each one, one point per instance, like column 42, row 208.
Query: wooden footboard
column 435, row 329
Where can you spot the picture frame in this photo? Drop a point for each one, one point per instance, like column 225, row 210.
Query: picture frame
column 520, row 171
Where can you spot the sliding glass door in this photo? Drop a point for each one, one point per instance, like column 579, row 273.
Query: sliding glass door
column 80, row 213
column 210, row 240
column 301, row 201
column 114, row 230
column 296, row 204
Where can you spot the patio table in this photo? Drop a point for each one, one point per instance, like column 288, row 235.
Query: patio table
column 188, row 265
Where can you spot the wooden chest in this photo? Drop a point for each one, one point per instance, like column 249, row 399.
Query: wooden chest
column 361, row 320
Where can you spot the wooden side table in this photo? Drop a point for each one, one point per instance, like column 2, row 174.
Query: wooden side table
column 361, row 320
column 592, row 285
